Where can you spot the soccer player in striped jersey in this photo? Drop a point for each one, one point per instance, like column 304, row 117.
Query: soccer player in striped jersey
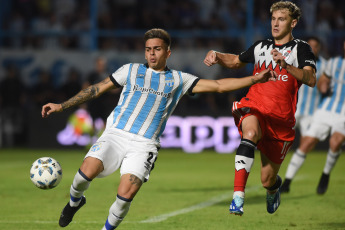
column 329, row 119
column 308, row 101
column 265, row 117
column 150, row 93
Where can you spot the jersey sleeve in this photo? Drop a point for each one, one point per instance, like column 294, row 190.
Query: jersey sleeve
column 305, row 56
column 248, row 55
column 189, row 81
column 119, row 77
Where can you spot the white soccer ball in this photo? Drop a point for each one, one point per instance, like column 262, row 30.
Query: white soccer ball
column 46, row 173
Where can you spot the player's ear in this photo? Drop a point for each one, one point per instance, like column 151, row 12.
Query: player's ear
column 293, row 23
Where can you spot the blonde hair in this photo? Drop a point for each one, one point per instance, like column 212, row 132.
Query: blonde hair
column 294, row 10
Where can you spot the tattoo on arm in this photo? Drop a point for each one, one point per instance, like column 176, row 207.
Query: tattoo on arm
column 83, row 96
column 305, row 77
column 135, row 180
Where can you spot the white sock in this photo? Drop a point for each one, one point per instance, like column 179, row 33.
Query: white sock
column 295, row 164
column 117, row 212
column 332, row 158
column 78, row 187
column 238, row 193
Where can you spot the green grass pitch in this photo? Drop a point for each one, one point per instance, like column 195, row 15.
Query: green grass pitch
column 185, row 192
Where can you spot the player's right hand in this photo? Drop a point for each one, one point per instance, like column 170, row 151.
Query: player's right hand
column 266, row 75
column 211, row 58
column 50, row 108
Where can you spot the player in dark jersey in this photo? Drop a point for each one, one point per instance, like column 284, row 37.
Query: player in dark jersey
column 265, row 117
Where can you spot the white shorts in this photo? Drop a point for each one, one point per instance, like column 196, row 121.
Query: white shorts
column 134, row 154
column 325, row 123
column 303, row 123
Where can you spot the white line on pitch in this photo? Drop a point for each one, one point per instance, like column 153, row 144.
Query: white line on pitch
column 201, row 205
column 159, row 218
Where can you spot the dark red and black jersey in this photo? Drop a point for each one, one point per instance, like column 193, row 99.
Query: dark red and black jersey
column 279, row 98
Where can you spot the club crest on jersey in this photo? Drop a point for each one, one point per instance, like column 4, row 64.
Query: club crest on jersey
column 286, row 54
column 169, row 83
column 97, row 146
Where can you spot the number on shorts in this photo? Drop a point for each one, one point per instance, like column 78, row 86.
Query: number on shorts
column 150, row 158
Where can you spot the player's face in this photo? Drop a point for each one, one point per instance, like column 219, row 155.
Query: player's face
column 156, row 53
column 282, row 24
column 315, row 46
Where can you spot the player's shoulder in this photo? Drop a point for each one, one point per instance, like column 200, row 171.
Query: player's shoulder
column 301, row 43
column 123, row 70
column 263, row 42
column 337, row 59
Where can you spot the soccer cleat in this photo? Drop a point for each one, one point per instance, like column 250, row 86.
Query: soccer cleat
column 273, row 201
column 285, row 188
column 323, row 184
column 236, row 206
column 68, row 212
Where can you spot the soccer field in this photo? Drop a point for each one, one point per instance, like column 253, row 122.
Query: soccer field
column 185, row 191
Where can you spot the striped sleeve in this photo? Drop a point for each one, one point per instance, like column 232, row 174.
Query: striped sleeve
column 119, row 77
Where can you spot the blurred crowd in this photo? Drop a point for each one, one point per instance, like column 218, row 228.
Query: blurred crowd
column 66, row 25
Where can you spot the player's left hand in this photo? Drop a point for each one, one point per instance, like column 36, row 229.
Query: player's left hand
column 50, row 108
column 266, row 75
column 278, row 58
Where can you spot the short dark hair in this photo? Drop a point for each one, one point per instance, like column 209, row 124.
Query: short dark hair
column 314, row 38
column 158, row 33
column 294, row 10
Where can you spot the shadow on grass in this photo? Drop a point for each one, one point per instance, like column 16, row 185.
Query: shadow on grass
column 333, row 225
column 261, row 199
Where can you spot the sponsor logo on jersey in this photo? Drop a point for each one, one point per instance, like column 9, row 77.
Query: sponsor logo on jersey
column 312, row 62
column 151, row 91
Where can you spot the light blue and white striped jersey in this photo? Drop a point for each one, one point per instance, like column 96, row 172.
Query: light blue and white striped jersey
column 310, row 98
column 148, row 98
column 335, row 103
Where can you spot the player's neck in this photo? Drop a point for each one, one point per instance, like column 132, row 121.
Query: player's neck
column 284, row 40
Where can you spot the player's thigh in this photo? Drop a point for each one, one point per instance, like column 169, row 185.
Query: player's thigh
column 251, row 128
column 321, row 125
column 304, row 124
column 140, row 159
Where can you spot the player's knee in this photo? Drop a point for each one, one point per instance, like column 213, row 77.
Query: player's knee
column 335, row 142
column 91, row 167
column 251, row 134
column 308, row 144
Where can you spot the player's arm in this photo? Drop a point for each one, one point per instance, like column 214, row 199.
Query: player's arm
column 306, row 75
column 230, row 84
column 225, row 59
column 323, row 84
column 91, row 92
